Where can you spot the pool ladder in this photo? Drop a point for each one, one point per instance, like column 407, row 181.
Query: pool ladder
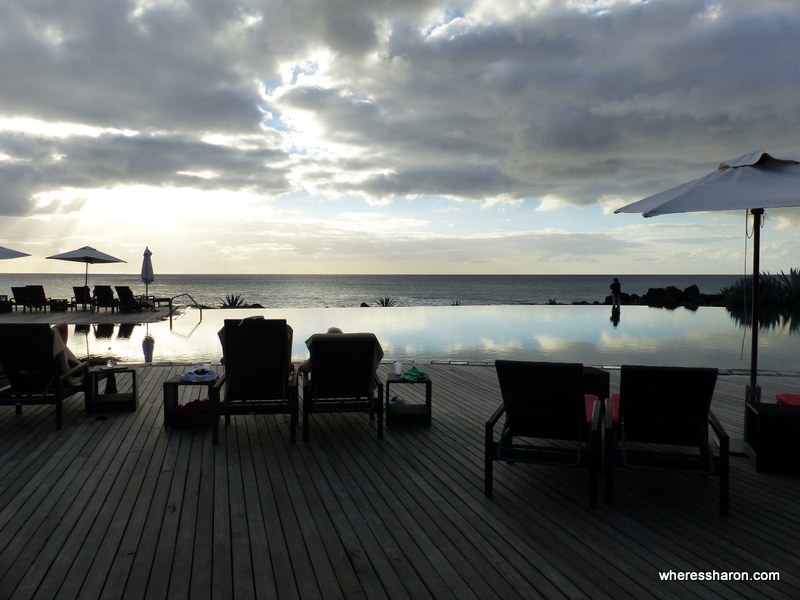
column 194, row 302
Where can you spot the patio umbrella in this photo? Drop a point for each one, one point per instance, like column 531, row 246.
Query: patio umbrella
column 752, row 182
column 9, row 253
column 87, row 255
column 147, row 270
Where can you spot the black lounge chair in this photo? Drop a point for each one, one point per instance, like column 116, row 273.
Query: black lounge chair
column 549, row 420
column 36, row 297
column 660, row 420
column 259, row 376
column 34, row 375
column 30, row 297
column 127, row 301
column 342, row 377
column 20, row 294
column 104, row 298
column 82, row 296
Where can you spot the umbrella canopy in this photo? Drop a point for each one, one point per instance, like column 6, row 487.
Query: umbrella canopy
column 9, row 253
column 87, row 255
column 753, row 182
column 147, row 270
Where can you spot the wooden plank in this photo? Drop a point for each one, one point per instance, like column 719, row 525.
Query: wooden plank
column 115, row 505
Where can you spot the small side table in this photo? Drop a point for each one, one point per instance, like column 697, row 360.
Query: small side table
column 111, row 399
column 173, row 416
column 408, row 412
column 59, row 304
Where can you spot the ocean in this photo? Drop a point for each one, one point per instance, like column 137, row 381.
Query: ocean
column 340, row 291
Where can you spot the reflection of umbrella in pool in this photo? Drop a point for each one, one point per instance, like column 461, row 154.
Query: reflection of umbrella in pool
column 6, row 253
column 147, row 346
column 147, row 270
column 87, row 255
column 753, row 182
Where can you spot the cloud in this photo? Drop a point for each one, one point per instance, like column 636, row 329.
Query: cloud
column 500, row 101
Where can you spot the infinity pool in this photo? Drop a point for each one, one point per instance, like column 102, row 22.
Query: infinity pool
column 705, row 337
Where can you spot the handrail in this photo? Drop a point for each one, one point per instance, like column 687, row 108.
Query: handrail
column 196, row 304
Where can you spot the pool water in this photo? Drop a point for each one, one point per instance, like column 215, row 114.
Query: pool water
column 707, row 336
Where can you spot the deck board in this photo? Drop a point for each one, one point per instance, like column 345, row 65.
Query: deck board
column 117, row 506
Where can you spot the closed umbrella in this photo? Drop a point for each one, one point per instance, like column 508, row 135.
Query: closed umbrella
column 6, row 253
column 147, row 271
column 87, row 255
column 753, row 182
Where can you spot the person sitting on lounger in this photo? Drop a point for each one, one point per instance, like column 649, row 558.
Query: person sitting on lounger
column 305, row 366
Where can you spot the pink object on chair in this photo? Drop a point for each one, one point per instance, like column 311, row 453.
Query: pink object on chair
column 788, row 399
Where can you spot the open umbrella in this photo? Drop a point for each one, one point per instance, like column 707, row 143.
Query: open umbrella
column 9, row 253
column 147, row 270
column 87, row 255
column 753, row 182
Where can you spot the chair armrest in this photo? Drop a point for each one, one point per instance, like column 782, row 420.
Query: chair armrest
column 489, row 425
column 608, row 415
column 597, row 412
column 220, row 381
column 719, row 430
column 79, row 370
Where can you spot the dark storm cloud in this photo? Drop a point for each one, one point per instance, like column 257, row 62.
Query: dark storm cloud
column 490, row 101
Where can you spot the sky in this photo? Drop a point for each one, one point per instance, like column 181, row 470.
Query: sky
column 383, row 136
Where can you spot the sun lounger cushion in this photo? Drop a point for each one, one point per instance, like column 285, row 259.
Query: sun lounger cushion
column 788, row 399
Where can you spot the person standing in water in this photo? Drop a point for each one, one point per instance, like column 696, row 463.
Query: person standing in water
column 616, row 292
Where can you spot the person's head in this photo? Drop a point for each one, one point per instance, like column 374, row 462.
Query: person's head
column 334, row 330
column 616, row 280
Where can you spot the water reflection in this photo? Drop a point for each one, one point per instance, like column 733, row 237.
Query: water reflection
column 705, row 337
column 770, row 318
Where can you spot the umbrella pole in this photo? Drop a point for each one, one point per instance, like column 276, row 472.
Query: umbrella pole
column 756, row 308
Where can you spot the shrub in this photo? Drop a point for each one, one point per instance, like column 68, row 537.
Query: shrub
column 385, row 301
column 232, row 301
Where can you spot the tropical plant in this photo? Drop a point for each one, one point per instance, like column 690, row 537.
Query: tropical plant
column 233, row 301
column 455, row 303
column 385, row 301
column 551, row 301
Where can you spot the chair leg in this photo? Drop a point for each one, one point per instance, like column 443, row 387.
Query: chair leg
column 59, row 414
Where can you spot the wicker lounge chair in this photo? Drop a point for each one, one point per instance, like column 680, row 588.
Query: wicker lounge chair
column 259, row 376
column 549, row 420
column 660, row 420
column 82, row 296
column 127, row 301
column 342, row 377
column 34, row 375
column 104, row 298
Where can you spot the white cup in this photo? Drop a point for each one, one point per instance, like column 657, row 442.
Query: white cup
column 398, row 368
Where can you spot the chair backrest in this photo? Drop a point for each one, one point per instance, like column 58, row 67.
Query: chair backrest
column 258, row 358
column 343, row 364
column 104, row 295
column 36, row 295
column 26, row 351
column 542, row 399
column 82, row 294
column 20, row 295
column 665, row 405
column 125, row 294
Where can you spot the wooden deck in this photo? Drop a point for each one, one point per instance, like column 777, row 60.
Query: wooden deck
column 115, row 506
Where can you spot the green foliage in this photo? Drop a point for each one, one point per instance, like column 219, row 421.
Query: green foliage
column 233, row 301
column 455, row 303
column 385, row 301
column 779, row 300
column 551, row 301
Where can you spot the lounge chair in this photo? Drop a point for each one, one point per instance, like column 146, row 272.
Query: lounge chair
column 82, row 296
column 549, row 420
column 20, row 297
column 36, row 297
column 342, row 377
column 660, row 420
column 30, row 297
column 104, row 298
column 259, row 376
column 127, row 301
column 34, row 375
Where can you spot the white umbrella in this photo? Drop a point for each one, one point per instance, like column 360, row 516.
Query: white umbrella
column 147, row 270
column 9, row 253
column 87, row 255
column 753, row 182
